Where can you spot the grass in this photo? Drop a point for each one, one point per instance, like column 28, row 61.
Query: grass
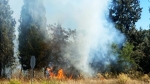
column 106, row 78
column 71, row 81
column 145, row 78
column 123, row 78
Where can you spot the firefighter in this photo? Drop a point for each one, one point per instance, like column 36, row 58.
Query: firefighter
column 49, row 71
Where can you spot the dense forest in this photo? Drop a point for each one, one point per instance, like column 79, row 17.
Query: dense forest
column 48, row 42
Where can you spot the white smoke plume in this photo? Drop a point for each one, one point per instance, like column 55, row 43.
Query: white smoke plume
column 96, row 33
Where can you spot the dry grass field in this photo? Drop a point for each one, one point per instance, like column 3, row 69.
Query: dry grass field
column 100, row 79
column 80, row 81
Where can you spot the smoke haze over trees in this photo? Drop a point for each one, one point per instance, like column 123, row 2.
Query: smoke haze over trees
column 124, row 14
column 105, row 37
column 7, row 26
column 31, row 34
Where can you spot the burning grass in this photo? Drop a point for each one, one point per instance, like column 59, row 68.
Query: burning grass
column 60, row 74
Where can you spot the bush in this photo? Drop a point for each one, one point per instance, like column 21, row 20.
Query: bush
column 52, row 81
column 14, row 81
column 122, row 78
column 135, row 74
column 110, row 75
column 145, row 78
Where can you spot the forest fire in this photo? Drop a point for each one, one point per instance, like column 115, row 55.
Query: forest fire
column 60, row 74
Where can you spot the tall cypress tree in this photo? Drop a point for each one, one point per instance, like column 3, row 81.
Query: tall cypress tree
column 7, row 27
column 31, row 34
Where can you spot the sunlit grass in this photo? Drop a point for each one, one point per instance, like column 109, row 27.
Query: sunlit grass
column 71, row 81
column 106, row 78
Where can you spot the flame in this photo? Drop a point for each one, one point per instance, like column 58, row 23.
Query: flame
column 50, row 72
column 52, row 75
column 60, row 74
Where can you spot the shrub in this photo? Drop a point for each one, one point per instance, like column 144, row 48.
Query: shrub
column 53, row 81
column 110, row 75
column 14, row 81
column 145, row 78
column 135, row 74
column 122, row 78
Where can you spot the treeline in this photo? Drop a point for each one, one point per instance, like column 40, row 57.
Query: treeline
column 134, row 54
column 46, row 43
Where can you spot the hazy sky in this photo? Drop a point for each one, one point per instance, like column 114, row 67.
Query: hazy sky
column 50, row 8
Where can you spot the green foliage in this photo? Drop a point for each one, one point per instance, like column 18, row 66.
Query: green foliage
column 34, row 46
column 125, row 61
column 32, row 34
column 135, row 55
column 114, row 48
column 127, row 51
column 144, row 62
column 125, row 13
column 13, row 81
column 123, row 78
column 141, row 41
column 125, row 57
column 52, row 81
column 59, row 39
column 7, row 26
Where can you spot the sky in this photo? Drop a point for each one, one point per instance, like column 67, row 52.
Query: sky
column 145, row 17
column 50, row 8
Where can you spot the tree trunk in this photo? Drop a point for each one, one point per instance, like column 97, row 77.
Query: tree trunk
column 0, row 69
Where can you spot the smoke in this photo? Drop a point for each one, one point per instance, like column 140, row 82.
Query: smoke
column 95, row 36
column 90, row 52
column 16, row 14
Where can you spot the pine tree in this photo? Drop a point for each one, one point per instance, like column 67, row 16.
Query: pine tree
column 7, row 27
column 125, row 13
column 145, row 47
column 32, row 34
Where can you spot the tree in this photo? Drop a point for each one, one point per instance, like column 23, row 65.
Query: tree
column 126, row 61
column 59, row 39
column 140, row 39
column 124, row 14
column 32, row 34
column 7, row 27
column 144, row 62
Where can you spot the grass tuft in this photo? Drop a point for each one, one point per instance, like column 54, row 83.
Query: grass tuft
column 14, row 81
column 123, row 78
column 145, row 78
